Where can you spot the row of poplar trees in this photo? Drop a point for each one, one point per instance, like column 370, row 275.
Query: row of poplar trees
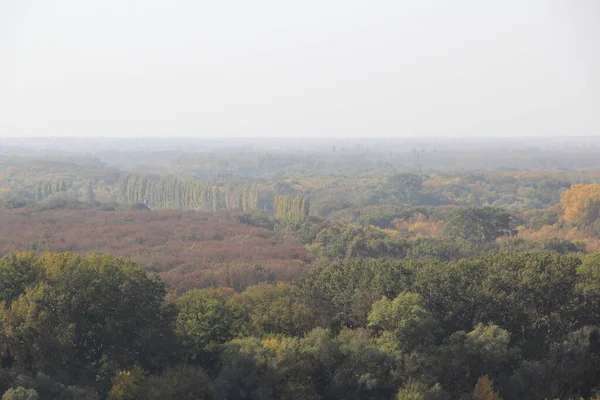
column 292, row 209
column 177, row 194
column 47, row 188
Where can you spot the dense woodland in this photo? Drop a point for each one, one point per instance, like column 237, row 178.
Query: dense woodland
column 353, row 270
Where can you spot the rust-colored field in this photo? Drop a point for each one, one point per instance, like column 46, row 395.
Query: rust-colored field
column 187, row 249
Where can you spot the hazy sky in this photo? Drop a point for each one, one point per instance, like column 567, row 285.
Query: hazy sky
column 293, row 68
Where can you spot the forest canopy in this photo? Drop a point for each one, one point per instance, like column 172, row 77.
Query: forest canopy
column 97, row 326
column 374, row 271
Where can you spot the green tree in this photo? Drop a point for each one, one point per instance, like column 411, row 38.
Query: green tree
column 247, row 371
column 569, row 369
column 175, row 383
column 88, row 193
column 419, row 391
column 342, row 293
column 291, row 209
column 17, row 272
column 182, row 382
column 127, row 385
column 85, row 316
column 410, row 392
column 479, row 225
column 207, row 319
column 406, row 187
column 404, row 322
column 275, row 309
column 319, row 365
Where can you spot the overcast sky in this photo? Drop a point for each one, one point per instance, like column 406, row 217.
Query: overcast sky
column 294, row 68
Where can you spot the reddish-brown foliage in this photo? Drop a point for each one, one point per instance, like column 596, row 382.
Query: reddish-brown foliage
column 188, row 249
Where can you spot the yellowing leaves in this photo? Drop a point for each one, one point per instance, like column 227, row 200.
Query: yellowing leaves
column 418, row 227
column 278, row 346
column 484, row 389
column 581, row 203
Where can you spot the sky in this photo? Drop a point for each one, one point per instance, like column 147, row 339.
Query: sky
column 265, row 68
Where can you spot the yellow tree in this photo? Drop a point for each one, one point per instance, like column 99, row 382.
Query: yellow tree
column 581, row 203
column 484, row 389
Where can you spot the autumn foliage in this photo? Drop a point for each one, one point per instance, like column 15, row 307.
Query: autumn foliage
column 187, row 249
column 581, row 203
column 484, row 389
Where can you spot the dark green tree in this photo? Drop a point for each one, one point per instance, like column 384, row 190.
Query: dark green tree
column 479, row 225
column 207, row 319
column 84, row 316
column 405, row 187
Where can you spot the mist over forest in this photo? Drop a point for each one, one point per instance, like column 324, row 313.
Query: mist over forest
column 289, row 268
column 312, row 200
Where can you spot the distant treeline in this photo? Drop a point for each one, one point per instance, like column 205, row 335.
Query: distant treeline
column 47, row 188
column 172, row 193
column 292, row 209
column 177, row 194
